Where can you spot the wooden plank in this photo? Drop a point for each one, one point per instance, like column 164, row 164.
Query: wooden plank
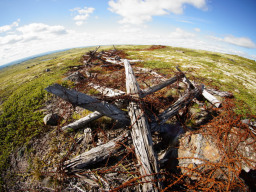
column 95, row 155
column 82, row 122
column 88, row 102
column 155, row 88
column 141, row 134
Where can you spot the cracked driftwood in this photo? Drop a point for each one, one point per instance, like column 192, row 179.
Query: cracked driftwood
column 141, row 135
column 96, row 154
column 88, row 102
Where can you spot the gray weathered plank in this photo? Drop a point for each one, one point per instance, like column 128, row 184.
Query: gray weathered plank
column 155, row 88
column 141, row 135
column 82, row 122
column 88, row 102
column 95, row 155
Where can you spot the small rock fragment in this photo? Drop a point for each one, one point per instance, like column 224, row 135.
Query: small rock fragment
column 52, row 119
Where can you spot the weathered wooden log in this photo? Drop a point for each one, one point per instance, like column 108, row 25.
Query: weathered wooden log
column 213, row 100
column 179, row 104
column 161, row 86
column 82, row 122
column 141, row 134
column 88, row 102
column 96, row 154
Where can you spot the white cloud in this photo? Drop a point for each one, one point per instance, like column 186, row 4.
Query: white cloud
column 140, row 11
column 239, row 41
column 6, row 28
column 38, row 38
column 82, row 14
column 33, row 31
column 181, row 34
column 197, row 29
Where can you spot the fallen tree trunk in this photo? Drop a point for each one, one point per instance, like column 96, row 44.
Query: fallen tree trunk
column 88, row 102
column 141, row 135
column 82, row 122
column 162, row 85
column 179, row 104
column 95, row 155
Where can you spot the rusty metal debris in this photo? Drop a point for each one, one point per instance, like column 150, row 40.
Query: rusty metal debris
column 162, row 152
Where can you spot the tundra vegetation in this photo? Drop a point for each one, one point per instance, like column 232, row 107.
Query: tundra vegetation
column 24, row 100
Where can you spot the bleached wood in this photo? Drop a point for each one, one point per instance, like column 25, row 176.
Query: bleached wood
column 141, row 134
column 82, row 122
column 88, row 102
column 95, row 155
column 213, row 100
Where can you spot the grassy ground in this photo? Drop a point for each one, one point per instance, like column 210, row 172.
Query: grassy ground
column 22, row 94
column 22, row 97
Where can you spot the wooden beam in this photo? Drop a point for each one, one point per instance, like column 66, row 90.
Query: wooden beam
column 96, row 154
column 87, row 102
column 82, row 122
column 141, row 134
column 161, row 85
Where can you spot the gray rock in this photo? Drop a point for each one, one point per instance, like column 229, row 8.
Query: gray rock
column 198, row 153
column 52, row 119
column 75, row 77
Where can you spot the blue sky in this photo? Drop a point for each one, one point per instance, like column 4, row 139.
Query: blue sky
column 29, row 27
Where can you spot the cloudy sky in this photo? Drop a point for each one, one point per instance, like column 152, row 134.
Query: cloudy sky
column 29, row 27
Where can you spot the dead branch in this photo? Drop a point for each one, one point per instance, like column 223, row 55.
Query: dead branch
column 92, row 55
